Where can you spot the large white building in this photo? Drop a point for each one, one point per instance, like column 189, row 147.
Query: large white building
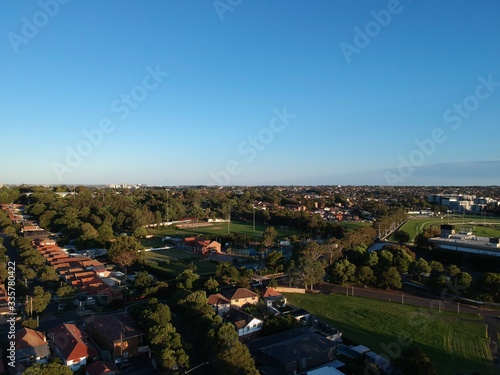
column 466, row 242
column 461, row 203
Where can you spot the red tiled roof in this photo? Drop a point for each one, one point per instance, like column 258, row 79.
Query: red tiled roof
column 270, row 292
column 242, row 293
column 217, row 299
column 28, row 337
column 116, row 327
column 102, row 368
column 70, row 342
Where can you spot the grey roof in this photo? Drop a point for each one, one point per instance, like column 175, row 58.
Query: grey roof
column 291, row 345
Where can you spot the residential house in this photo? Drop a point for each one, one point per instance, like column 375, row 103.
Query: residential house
column 219, row 303
column 292, row 352
column 103, row 368
column 30, row 226
column 296, row 207
column 242, row 297
column 71, row 346
column 31, row 347
column 244, row 323
column 118, row 333
column 203, row 246
column 270, row 296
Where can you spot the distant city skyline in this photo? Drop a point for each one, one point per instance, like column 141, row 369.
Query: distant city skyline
column 282, row 93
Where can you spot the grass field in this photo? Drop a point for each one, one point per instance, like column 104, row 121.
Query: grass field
column 175, row 261
column 455, row 343
column 415, row 226
column 353, row 225
column 221, row 229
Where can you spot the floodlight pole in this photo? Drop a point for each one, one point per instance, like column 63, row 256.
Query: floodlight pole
column 253, row 217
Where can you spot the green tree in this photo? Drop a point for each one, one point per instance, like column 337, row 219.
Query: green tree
column 452, row 270
column 462, row 280
column 343, row 270
column 415, row 362
column 48, row 273
column 48, row 369
column 155, row 314
column 311, row 272
column 142, row 280
column 436, row 266
column 88, row 232
column 227, row 273
column 65, row 290
column 40, row 300
column 186, row 279
column 391, row 279
column 332, row 250
column 211, row 285
column 371, row 259
column 125, row 251
column 30, row 323
column 385, row 259
column 402, row 237
column 276, row 324
column 419, row 267
column 268, row 237
column 27, row 272
column 140, row 232
column 105, row 232
column 422, row 239
column 401, row 260
column 365, row 275
column 274, row 261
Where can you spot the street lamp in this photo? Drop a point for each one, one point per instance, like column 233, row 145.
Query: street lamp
column 194, row 368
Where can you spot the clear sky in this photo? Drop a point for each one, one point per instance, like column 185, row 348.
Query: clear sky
column 250, row 92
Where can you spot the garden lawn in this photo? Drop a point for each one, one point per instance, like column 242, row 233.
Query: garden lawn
column 455, row 343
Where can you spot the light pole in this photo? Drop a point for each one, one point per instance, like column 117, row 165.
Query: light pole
column 167, row 207
column 253, row 217
column 194, row 368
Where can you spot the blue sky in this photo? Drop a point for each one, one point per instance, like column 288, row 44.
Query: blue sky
column 281, row 92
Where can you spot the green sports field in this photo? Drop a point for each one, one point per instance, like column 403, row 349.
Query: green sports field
column 489, row 227
column 221, row 229
column 174, row 261
column 455, row 343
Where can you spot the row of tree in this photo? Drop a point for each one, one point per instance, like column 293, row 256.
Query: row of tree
column 166, row 343
column 215, row 338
